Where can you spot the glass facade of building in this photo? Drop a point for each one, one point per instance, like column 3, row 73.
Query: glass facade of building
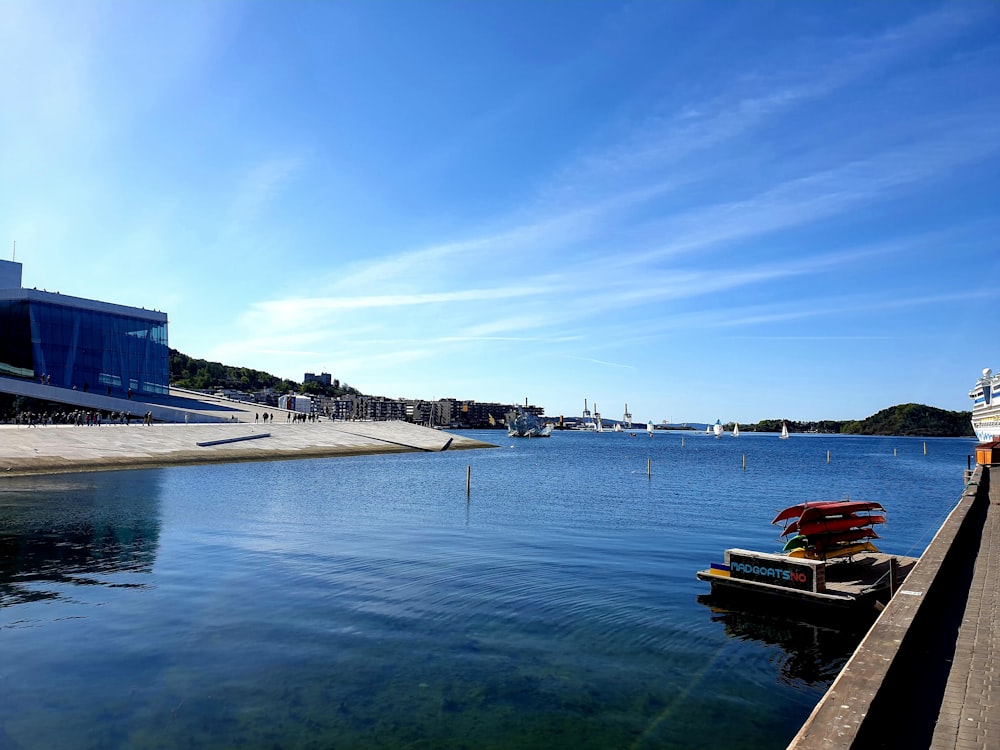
column 92, row 346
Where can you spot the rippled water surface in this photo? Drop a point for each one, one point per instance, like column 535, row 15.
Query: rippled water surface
column 372, row 602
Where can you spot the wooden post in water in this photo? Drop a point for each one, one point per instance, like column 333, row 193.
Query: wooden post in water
column 682, row 441
column 893, row 451
column 744, row 462
column 649, row 467
column 925, row 447
column 828, row 456
column 468, row 481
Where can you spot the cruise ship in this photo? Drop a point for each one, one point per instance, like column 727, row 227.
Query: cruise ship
column 985, row 397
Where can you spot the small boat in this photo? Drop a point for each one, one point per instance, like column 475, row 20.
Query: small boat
column 736, row 429
column 827, row 507
column 717, row 428
column 784, row 431
column 838, row 510
column 831, row 525
column 829, row 541
column 838, row 551
column 649, row 428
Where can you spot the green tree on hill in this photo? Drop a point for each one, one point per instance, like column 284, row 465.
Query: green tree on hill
column 914, row 419
column 202, row 375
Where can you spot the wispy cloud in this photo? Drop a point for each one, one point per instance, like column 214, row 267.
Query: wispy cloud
column 761, row 95
column 258, row 188
column 603, row 362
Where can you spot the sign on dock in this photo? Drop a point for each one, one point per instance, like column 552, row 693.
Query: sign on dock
column 777, row 570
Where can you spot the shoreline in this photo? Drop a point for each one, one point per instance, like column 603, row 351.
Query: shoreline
column 63, row 449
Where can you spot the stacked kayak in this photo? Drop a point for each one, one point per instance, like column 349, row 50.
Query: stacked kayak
column 829, row 529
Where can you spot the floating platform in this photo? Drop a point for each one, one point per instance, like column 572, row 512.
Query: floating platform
column 848, row 585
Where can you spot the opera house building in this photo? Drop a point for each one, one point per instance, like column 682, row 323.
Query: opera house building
column 70, row 342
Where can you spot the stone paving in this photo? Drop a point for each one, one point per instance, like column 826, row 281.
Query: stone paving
column 62, row 448
column 970, row 711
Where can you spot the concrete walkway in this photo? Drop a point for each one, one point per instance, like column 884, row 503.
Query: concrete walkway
column 970, row 710
column 926, row 674
column 64, row 448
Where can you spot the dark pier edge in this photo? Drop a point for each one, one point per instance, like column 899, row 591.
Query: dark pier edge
column 890, row 692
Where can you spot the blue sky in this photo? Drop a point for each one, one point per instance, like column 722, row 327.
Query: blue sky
column 707, row 210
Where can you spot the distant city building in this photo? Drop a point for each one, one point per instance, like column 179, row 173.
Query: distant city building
column 484, row 415
column 80, row 343
column 322, row 379
column 366, row 407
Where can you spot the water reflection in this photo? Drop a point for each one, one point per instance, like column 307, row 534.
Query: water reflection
column 74, row 531
column 812, row 653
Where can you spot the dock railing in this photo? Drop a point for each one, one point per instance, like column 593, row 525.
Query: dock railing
column 907, row 653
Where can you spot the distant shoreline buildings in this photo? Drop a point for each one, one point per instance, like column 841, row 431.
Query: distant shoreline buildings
column 444, row 412
column 74, row 346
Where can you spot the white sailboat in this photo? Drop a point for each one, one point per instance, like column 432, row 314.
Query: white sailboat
column 649, row 428
column 736, row 429
column 598, row 421
column 784, row 431
column 717, row 428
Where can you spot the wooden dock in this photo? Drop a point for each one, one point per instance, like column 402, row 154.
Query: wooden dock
column 859, row 585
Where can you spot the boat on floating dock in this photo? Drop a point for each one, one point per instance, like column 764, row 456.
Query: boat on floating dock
column 830, row 564
column 856, row 584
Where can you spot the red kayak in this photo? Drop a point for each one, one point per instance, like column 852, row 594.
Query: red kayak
column 829, row 541
column 833, row 510
column 831, row 524
column 834, row 507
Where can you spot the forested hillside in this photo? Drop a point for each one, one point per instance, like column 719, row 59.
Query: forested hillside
column 914, row 419
column 202, row 375
column 904, row 419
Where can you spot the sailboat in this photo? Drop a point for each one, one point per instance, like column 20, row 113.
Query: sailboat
column 717, row 428
column 598, row 421
column 736, row 429
column 649, row 428
column 784, row 430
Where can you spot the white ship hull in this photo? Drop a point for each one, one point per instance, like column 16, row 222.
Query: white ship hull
column 985, row 397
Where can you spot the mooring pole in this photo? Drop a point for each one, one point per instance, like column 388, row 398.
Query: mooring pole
column 468, row 481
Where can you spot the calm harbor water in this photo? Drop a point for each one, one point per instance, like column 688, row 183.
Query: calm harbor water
column 370, row 602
